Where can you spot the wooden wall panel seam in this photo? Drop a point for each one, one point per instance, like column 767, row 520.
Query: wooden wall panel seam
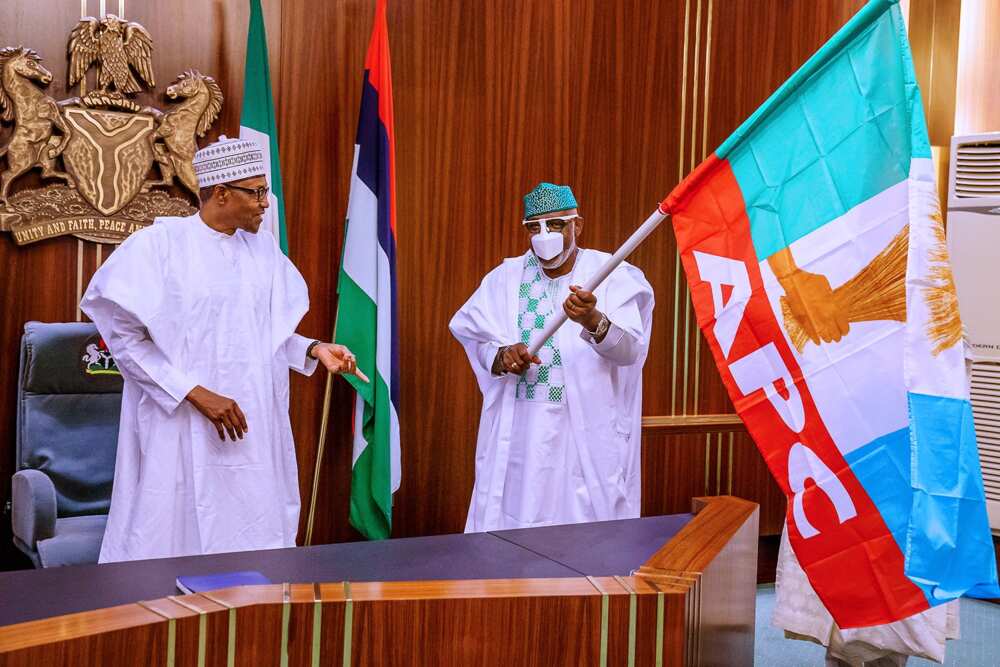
column 680, row 177
column 718, row 464
column 704, row 154
column 708, row 459
column 673, row 347
column 729, row 476
column 79, row 278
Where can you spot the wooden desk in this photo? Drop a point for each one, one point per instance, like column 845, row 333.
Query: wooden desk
column 690, row 603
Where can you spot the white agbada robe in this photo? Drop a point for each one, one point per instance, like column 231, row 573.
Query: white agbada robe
column 181, row 305
column 583, row 462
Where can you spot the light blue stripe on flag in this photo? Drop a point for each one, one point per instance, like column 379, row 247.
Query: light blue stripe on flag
column 949, row 549
column 939, row 486
column 883, row 468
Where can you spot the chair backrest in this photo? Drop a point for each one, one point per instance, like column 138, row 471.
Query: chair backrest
column 68, row 408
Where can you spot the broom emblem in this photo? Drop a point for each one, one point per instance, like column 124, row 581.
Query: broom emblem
column 878, row 292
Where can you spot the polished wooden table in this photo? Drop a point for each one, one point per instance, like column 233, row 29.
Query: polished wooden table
column 673, row 590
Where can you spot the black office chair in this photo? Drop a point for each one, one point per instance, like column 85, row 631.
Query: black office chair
column 68, row 408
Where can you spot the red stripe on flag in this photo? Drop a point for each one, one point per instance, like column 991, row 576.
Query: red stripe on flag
column 378, row 64
column 853, row 563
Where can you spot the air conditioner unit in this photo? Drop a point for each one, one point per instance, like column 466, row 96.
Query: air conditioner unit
column 974, row 246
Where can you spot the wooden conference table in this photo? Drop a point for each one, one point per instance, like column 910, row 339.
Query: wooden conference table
column 670, row 590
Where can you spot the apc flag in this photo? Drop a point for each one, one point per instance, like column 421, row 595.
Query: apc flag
column 366, row 309
column 257, row 121
column 814, row 248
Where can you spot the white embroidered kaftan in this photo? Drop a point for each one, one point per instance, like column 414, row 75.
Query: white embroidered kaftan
column 181, row 305
column 581, row 463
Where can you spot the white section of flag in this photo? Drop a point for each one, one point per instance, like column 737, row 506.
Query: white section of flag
column 856, row 406
column 362, row 253
column 367, row 264
column 269, row 223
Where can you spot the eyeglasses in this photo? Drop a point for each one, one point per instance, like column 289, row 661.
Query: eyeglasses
column 261, row 192
column 554, row 224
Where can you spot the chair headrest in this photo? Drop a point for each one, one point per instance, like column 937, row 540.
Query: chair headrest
column 66, row 358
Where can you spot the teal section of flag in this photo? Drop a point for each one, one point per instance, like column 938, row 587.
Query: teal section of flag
column 257, row 119
column 841, row 130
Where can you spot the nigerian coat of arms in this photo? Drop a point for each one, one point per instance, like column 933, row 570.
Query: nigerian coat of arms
column 106, row 164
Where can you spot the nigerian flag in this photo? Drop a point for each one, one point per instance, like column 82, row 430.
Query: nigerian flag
column 366, row 309
column 257, row 121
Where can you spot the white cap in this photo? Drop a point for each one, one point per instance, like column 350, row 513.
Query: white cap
column 228, row 160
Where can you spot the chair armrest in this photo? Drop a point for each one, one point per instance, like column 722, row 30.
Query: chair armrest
column 33, row 506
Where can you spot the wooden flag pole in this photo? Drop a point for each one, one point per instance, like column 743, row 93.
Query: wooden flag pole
column 324, row 422
column 638, row 236
column 321, row 446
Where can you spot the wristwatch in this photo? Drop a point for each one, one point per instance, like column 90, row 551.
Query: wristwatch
column 497, row 361
column 310, row 349
column 602, row 328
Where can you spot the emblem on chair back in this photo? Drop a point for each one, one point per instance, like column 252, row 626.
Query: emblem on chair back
column 97, row 359
column 98, row 153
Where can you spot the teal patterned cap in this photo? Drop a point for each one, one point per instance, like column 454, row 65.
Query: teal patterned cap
column 548, row 198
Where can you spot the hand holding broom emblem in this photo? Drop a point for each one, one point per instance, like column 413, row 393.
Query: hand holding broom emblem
column 814, row 312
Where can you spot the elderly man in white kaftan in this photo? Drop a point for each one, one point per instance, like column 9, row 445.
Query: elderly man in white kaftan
column 559, row 433
column 200, row 314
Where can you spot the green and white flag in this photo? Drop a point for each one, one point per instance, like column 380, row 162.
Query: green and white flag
column 257, row 121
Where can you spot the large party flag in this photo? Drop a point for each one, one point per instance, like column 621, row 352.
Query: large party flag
column 367, row 311
column 257, row 120
column 815, row 252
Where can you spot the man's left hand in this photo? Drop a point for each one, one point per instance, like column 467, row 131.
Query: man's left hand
column 337, row 359
column 581, row 307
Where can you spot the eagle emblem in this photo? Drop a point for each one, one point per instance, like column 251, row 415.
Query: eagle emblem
column 108, row 163
column 121, row 49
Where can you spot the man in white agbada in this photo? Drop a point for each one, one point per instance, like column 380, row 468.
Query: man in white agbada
column 559, row 434
column 200, row 314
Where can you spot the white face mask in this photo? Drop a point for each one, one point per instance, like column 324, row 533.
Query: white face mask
column 546, row 244
column 549, row 247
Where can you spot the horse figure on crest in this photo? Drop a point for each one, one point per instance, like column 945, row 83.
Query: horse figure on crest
column 36, row 115
column 180, row 127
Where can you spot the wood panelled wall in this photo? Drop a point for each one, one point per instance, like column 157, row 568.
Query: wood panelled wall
column 618, row 99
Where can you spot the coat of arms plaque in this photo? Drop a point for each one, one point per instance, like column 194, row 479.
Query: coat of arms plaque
column 106, row 163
